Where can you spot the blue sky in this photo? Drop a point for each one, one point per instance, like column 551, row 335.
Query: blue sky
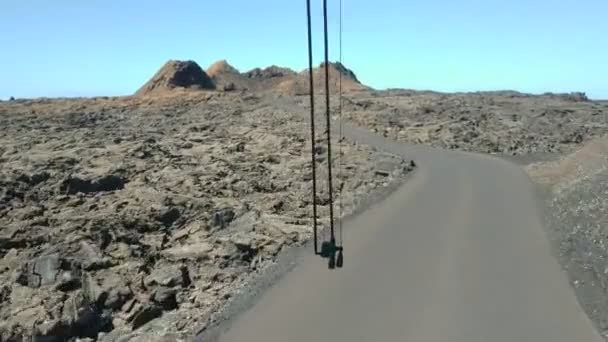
column 111, row 47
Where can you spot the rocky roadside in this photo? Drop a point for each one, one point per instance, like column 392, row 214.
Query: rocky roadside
column 141, row 217
column 576, row 188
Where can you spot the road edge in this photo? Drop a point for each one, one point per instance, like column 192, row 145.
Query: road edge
column 286, row 261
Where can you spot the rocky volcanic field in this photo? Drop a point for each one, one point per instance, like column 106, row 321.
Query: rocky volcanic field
column 138, row 217
column 114, row 211
column 507, row 123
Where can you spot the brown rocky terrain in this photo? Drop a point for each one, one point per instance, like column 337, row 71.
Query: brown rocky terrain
column 141, row 216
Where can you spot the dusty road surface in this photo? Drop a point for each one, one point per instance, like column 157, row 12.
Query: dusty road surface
column 457, row 254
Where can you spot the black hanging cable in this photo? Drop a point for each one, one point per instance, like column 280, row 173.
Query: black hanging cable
column 312, row 129
column 340, row 171
column 327, row 113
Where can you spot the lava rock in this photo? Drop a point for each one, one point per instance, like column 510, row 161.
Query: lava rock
column 167, row 276
column 74, row 185
column 168, row 216
column 42, row 271
column 222, row 218
column 166, row 298
column 145, row 313
column 195, row 251
column 229, row 86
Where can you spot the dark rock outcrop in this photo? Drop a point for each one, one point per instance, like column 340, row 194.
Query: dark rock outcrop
column 73, row 185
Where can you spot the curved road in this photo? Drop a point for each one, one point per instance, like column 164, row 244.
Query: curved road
column 457, row 254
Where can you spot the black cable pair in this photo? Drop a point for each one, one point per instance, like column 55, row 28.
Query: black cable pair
column 329, row 249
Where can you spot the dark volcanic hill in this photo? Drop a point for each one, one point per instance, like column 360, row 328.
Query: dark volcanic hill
column 177, row 74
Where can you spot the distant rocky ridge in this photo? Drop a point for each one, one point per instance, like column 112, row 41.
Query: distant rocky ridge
column 223, row 76
column 270, row 72
column 283, row 80
column 299, row 85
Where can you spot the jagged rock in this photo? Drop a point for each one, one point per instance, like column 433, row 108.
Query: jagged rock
column 109, row 183
column 385, row 167
column 50, row 270
column 144, row 313
column 35, row 178
column 111, row 292
column 120, row 251
column 246, row 223
column 68, row 281
column 169, row 215
column 5, row 293
column 91, row 256
column 195, row 251
column 42, row 271
column 58, row 317
column 117, row 296
column 165, row 298
column 243, row 241
column 168, row 276
column 82, row 319
column 222, row 218
column 245, row 247
column 92, row 291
